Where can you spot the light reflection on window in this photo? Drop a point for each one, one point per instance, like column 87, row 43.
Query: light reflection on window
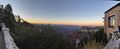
column 112, row 21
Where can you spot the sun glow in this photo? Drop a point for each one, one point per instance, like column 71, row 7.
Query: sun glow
column 81, row 23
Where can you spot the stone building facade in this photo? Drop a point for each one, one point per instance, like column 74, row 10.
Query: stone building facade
column 112, row 20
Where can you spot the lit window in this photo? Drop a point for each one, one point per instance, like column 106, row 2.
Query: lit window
column 112, row 21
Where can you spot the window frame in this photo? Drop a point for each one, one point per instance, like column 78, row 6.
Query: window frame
column 111, row 21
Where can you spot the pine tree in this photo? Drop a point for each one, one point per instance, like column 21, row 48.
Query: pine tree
column 8, row 8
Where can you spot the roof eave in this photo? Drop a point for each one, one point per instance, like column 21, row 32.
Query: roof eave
column 112, row 8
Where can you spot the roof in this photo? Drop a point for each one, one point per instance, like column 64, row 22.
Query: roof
column 112, row 7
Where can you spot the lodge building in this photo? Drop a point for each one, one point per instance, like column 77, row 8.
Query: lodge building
column 112, row 20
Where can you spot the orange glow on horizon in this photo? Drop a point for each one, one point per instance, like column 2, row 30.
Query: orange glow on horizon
column 80, row 23
column 72, row 23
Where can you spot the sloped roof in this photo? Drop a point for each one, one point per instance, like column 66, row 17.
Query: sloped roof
column 112, row 7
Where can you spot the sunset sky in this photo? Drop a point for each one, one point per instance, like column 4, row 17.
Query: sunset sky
column 71, row 12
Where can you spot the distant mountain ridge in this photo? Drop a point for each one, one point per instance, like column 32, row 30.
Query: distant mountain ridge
column 65, row 29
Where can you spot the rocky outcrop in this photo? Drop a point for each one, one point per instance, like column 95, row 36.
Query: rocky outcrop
column 2, row 41
column 114, row 42
column 9, row 42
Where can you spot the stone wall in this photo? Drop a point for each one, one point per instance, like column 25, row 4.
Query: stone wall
column 116, row 12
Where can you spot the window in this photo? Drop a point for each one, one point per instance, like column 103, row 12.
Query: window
column 111, row 21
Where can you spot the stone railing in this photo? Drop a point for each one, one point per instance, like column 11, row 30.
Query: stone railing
column 114, row 42
column 9, row 42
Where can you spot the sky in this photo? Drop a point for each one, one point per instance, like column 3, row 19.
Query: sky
column 68, row 12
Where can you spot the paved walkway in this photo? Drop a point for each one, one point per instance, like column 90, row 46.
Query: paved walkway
column 2, row 41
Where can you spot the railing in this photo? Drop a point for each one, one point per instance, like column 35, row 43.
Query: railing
column 9, row 42
column 114, row 42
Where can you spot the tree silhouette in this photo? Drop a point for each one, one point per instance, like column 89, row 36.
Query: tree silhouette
column 8, row 8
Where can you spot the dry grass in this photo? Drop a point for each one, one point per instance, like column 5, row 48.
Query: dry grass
column 93, row 45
